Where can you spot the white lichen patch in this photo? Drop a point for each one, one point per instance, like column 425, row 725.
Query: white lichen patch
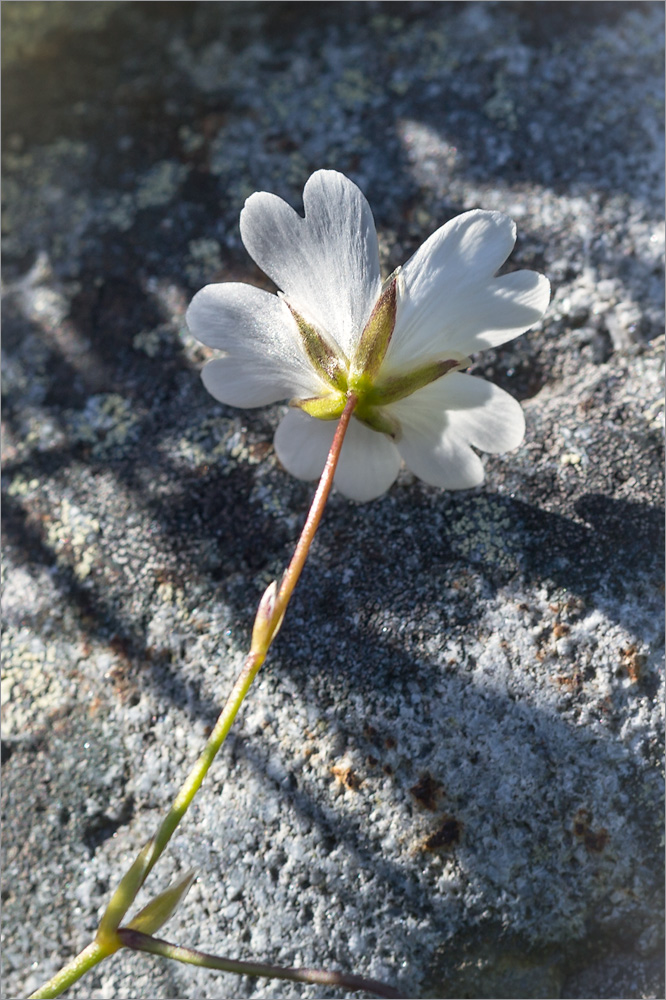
column 218, row 441
column 44, row 187
column 152, row 342
column 119, row 211
column 208, row 68
column 159, row 184
column 354, row 88
column 73, row 537
column 501, row 107
column 106, row 422
column 205, row 263
column 190, row 139
column 484, row 533
column 32, row 686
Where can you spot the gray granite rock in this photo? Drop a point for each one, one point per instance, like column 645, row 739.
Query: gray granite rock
column 448, row 774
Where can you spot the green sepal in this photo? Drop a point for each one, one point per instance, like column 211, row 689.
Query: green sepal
column 322, row 407
column 378, row 420
column 376, row 336
column 159, row 910
column 396, row 387
column 324, row 357
column 126, row 893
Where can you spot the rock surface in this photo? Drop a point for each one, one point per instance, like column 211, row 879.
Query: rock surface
column 448, row 774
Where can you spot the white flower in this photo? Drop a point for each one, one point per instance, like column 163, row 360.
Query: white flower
column 334, row 327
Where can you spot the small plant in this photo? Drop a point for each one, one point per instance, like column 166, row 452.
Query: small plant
column 373, row 372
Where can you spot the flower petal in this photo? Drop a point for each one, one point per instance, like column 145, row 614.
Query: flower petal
column 451, row 300
column 265, row 358
column 442, row 420
column 492, row 420
column 232, row 382
column 302, row 444
column 478, row 411
column 440, row 458
column 369, row 461
column 327, row 264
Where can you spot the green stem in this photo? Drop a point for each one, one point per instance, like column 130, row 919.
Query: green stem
column 87, row 959
column 257, row 656
column 191, row 956
column 108, row 941
column 193, row 782
column 293, row 572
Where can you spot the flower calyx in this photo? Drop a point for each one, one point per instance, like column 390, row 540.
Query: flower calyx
column 374, row 341
column 326, row 407
column 324, row 357
column 394, row 387
column 363, row 375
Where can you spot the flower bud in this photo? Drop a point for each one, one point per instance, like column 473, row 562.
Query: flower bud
column 265, row 627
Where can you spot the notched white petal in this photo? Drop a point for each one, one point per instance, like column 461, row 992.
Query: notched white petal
column 441, row 459
column 452, row 299
column 328, row 262
column 265, row 360
column 302, row 444
column 483, row 414
column 368, row 464
column 234, row 382
column 476, row 411
column 443, row 420
column 468, row 249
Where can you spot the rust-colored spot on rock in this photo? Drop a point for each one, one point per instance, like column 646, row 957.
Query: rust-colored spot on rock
column 581, row 823
column 426, row 791
column 595, row 841
column 347, row 777
column 571, row 682
column 633, row 663
column 446, row 836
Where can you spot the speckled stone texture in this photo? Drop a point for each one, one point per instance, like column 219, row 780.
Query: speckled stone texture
column 448, row 774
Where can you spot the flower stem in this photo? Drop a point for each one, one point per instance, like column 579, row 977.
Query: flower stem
column 256, row 656
column 85, row 960
column 293, row 572
column 99, row 949
column 191, row 956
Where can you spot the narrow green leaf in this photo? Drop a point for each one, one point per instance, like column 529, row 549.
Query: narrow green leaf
column 159, row 910
column 126, row 893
